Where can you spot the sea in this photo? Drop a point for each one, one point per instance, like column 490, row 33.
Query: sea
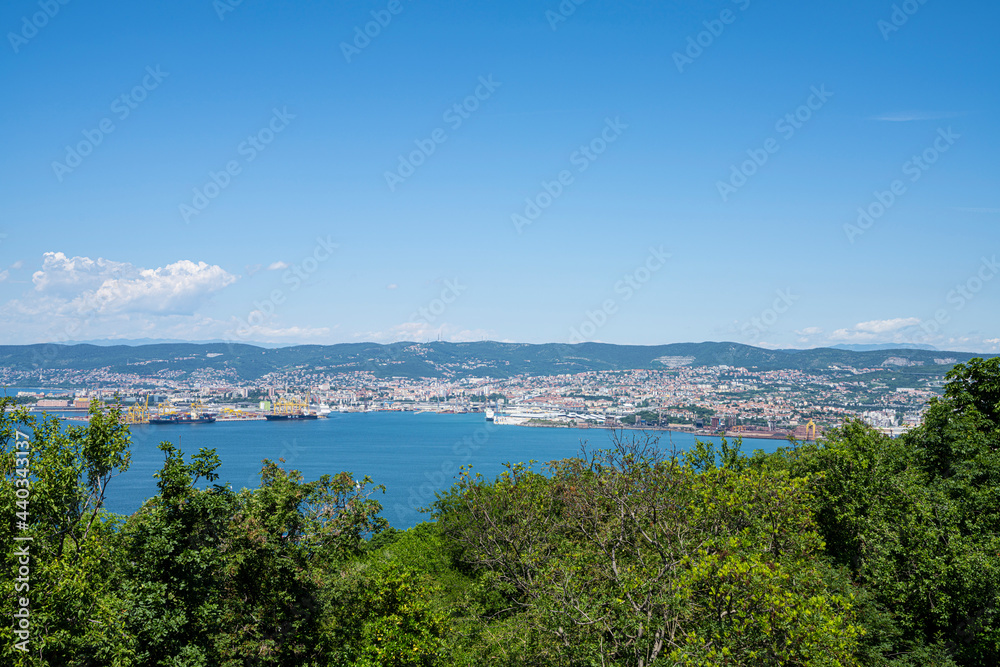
column 414, row 455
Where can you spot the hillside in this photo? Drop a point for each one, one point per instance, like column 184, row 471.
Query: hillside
column 438, row 359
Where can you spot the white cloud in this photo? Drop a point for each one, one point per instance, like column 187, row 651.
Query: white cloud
column 272, row 334
column 277, row 266
column 69, row 275
column 176, row 288
column 391, row 286
column 885, row 326
column 421, row 331
column 76, row 298
column 852, row 335
column 877, row 331
column 3, row 275
column 809, row 331
column 972, row 342
column 416, row 331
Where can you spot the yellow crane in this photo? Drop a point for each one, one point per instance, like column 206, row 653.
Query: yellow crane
column 290, row 405
column 137, row 414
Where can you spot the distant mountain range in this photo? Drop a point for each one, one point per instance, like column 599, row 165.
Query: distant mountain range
column 134, row 342
column 455, row 360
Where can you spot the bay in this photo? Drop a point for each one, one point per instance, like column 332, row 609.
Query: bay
column 413, row 455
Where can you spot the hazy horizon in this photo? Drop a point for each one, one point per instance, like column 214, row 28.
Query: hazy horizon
column 129, row 342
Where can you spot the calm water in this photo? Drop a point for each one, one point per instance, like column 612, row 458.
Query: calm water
column 413, row 455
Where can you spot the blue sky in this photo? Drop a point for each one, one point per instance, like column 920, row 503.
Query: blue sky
column 629, row 172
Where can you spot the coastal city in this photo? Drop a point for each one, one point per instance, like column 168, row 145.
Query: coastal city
column 718, row 399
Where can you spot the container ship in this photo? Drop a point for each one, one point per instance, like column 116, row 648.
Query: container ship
column 185, row 418
column 288, row 409
column 275, row 417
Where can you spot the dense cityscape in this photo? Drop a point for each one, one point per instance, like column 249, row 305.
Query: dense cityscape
column 706, row 399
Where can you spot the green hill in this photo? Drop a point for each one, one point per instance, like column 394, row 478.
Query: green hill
column 438, row 359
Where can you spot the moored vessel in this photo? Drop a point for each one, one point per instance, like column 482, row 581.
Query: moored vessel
column 286, row 417
column 184, row 418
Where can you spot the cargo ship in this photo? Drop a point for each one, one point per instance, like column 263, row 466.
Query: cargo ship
column 185, row 418
column 289, row 416
column 288, row 409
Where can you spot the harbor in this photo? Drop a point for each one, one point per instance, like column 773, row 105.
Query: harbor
column 295, row 409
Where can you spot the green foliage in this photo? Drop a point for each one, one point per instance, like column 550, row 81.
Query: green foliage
column 173, row 563
column 703, row 456
column 386, row 616
column 627, row 557
column 957, row 452
column 915, row 520
column 219, row 576
column 71, row 559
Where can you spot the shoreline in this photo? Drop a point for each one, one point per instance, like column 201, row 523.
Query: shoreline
column 751, row 435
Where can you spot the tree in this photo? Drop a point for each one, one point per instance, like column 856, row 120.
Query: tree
column 627, row 556
column 384, row 615
column 172, row 563
column 71, row 585
column 881, row 521
column 219, row 577
column 916, row 520
column 957, row 448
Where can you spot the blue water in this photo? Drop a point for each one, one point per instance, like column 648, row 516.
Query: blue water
column 414, row 455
